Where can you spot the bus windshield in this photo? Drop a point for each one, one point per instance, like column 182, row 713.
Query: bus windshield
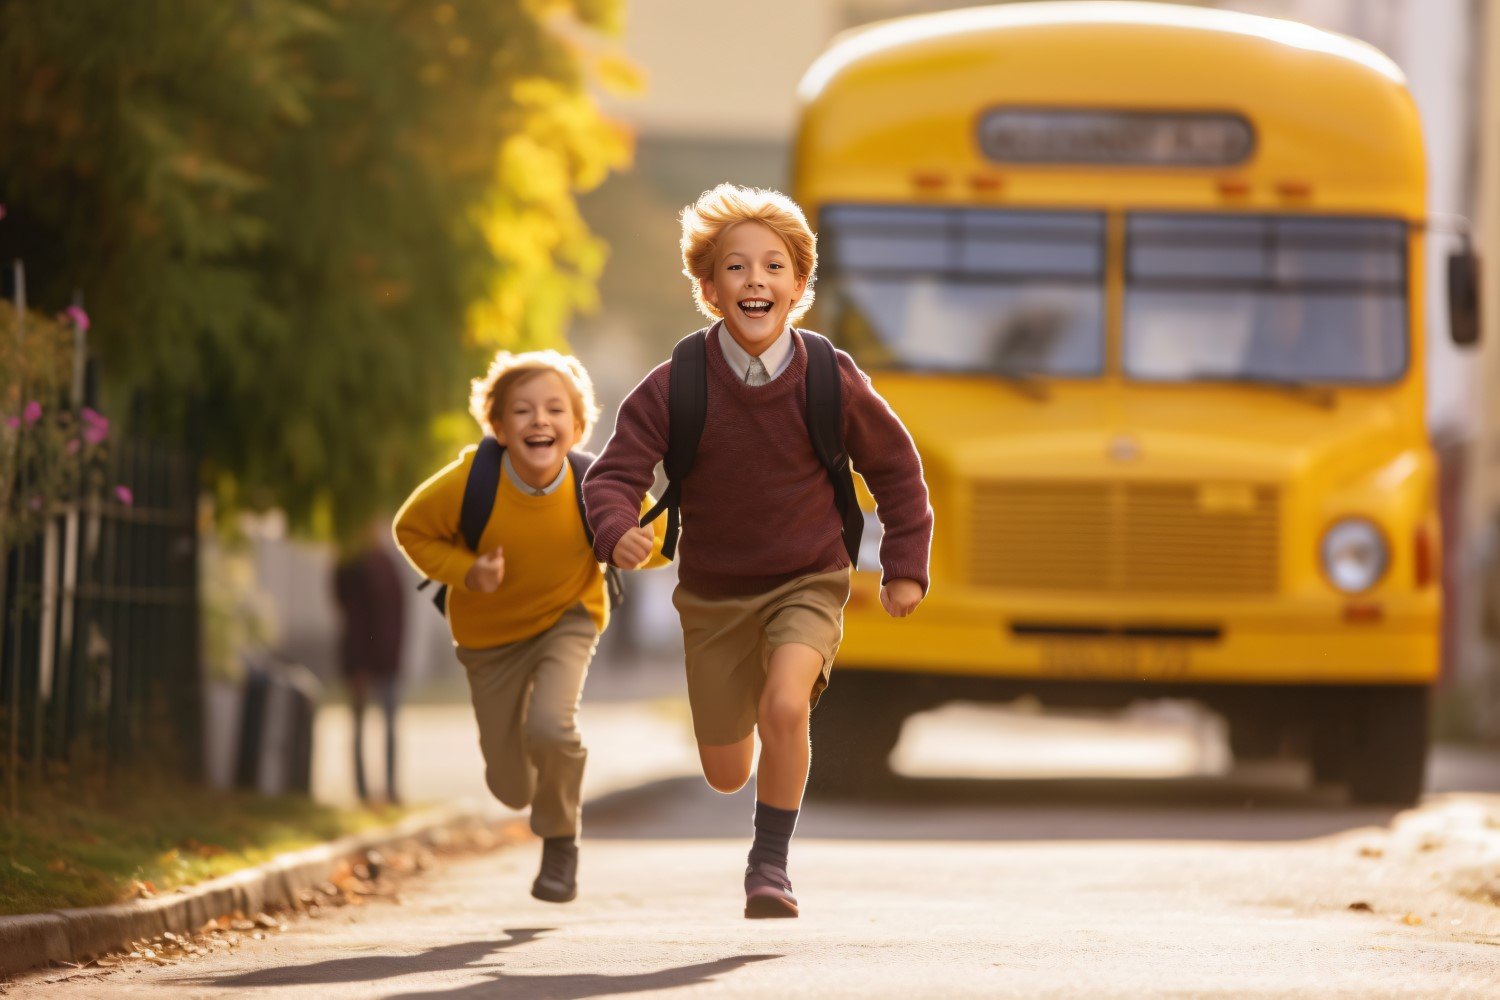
column 1012, row 293
column 1265, row 298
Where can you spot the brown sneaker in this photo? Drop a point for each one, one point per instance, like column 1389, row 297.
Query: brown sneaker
column 557, row 882
column 768, row 892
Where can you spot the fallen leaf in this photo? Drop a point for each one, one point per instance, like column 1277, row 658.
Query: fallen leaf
column 57, row 866
column 1411, row 920
column 1371, row 852
column 1362, row 907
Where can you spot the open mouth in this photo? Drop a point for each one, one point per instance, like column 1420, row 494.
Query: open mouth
column 755, row 308
column 540, row 441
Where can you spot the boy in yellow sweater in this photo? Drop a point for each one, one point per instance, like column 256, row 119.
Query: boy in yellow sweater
column 527, row 607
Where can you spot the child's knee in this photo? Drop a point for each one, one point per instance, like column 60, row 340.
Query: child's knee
column 783, row 716
column 726, row 780
column 514, row 792
column 727, row 768
column 552, row 733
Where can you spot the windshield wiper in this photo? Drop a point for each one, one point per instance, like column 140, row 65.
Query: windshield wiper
column 1023, row 384
column 1310, row 392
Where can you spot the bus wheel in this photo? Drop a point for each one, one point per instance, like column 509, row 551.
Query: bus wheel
column 854, row 729
column 1387, row 747
column 1328, row 744
column 1253, row 736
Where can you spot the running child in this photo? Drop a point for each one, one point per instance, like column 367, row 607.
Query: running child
column 527, row 604
column 765, row 558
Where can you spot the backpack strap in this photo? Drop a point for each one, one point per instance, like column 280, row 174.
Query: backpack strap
column 479, row 502
column 480, row 490
column 581, row 461
column 687, row 408
column 825, row 428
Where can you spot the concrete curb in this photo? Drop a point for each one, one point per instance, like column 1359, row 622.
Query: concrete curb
column 75, row 934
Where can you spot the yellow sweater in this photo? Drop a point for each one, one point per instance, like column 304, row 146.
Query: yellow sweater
column 549, row 566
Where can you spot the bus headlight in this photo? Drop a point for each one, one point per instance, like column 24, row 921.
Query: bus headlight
column 1354, row 554
column 869, row 543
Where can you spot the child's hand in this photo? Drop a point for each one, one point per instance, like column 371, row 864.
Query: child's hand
column 487, row 572
column 900, row 597
column 633, row 548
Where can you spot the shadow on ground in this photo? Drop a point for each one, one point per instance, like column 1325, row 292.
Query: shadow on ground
column 584, row 985
column 371, row 968
column 473, row 955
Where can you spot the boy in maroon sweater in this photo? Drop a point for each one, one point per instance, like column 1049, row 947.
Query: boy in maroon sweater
column 764, row 572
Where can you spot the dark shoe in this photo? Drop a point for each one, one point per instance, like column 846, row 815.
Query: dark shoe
column 558, row 880
column 768, row 892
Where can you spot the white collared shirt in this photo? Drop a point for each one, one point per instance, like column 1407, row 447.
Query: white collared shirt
column 775, row 358
column 527, row 488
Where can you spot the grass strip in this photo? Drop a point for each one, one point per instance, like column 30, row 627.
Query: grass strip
column 140, row 837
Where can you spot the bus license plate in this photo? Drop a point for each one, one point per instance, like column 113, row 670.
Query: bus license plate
column 1119, row 658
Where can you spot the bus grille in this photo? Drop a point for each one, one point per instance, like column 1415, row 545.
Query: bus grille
column 1127, row 537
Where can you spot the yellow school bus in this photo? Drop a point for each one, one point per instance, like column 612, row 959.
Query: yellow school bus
column 1144, row 283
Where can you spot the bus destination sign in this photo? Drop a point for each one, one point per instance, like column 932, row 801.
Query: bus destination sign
column 1121, row 138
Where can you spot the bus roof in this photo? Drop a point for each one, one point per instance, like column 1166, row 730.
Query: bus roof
column 1331, row 117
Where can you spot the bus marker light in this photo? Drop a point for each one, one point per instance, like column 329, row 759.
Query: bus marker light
column 929, row 180
column 1234, row 187
column 1423, row 556
column 1363, row 612
column 1294, row 189
column 986, row 182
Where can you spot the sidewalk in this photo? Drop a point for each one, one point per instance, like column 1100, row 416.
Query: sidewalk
column 438, row 760
column 630, row 744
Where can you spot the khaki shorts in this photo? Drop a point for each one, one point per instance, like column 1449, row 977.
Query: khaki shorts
column 728, row 643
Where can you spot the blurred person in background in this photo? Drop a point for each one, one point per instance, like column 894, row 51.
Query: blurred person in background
column 371, row 603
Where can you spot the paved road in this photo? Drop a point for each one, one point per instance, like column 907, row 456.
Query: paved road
column 1196, row 885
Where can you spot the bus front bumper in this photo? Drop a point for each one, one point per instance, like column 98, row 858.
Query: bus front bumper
column 1274, row 641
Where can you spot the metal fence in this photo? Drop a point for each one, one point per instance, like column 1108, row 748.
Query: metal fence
column 99, row 644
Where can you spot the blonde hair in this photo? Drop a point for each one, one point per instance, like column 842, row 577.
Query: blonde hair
column 487, row 393
column 705, row 221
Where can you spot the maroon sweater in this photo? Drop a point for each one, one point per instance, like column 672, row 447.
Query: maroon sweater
column 758, row 508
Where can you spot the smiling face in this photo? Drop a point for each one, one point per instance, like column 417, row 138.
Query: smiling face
column 754, row 285
column 538, row 426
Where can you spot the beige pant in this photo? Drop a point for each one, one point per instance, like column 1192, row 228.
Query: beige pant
column 526, row 701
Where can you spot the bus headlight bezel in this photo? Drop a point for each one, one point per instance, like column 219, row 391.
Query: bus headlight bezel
column 1355, row 554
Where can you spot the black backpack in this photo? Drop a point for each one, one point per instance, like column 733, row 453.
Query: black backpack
column 479, row 502
column 687, row 406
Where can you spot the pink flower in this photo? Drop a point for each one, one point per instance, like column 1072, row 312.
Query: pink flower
column 72, row 446
column 95, row 426
column 33, row 412
column 123, row 494
column 13, row 422
column 79, row 318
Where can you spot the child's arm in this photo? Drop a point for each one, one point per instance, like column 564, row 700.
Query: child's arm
column 881, row 450
column 617, row 482
column 426, row 526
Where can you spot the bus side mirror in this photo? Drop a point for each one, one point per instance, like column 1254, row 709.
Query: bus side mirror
column 1463, row 297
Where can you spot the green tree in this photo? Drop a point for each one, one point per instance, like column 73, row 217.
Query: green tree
column 300, row 224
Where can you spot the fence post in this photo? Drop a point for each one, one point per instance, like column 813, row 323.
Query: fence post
column 13, row 701
column 66, row 663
